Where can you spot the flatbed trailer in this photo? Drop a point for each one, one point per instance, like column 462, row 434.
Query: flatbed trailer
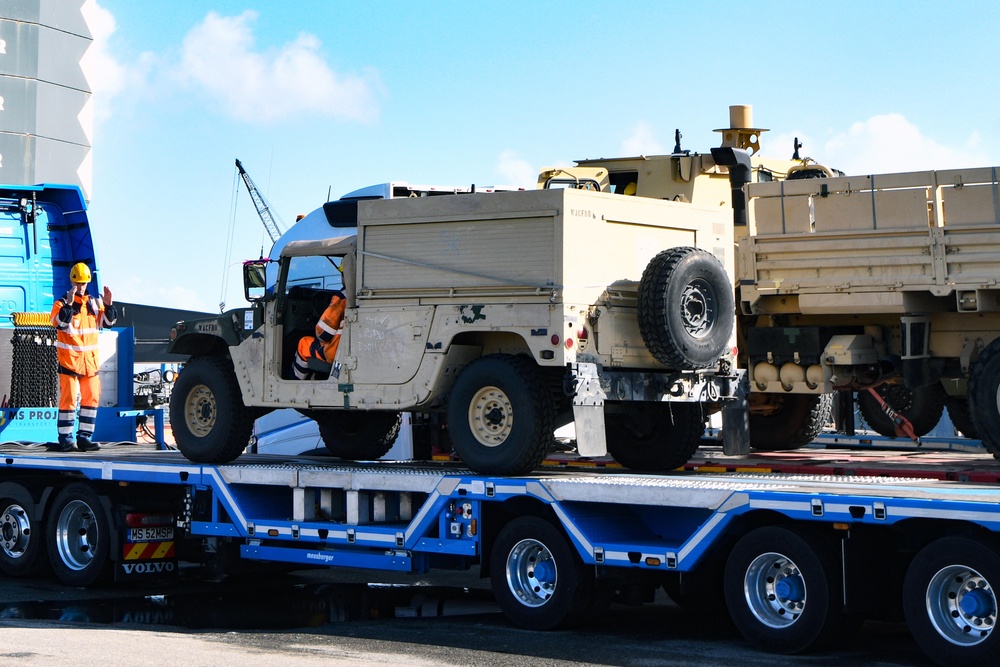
column 798, row 559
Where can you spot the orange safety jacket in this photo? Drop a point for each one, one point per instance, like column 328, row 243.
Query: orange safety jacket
column 329, row 325
column 323, row 346
column 76, row 326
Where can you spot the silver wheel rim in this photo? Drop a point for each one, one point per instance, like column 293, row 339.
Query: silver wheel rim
column 775, row 590
column 76, row 535
column 961, row 605
column 15, row 531
column 491, row 416
column 531, row 573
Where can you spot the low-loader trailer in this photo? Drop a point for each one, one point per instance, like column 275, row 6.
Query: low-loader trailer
column 797, row 560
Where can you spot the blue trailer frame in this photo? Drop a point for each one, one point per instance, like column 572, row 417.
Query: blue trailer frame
column 601, row 530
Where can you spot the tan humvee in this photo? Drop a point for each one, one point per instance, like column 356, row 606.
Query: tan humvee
column 510, row 313
column 776, row 421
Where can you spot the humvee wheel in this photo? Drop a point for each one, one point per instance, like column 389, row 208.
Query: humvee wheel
column 961, row 416
column 200, row 410
column 207, row 415
column 781, row 422
column 984, row 396
column 686, row 308
column 500, row 416
column 654, row 436
column 357, row 435
column 923, row 406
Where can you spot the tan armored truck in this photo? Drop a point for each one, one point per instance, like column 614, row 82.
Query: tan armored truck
column 510, row 313
column 886, row 281
column 684, row 175
column 716, row 179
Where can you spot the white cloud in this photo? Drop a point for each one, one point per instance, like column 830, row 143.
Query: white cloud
column 512, row 170
column 219, row 60
column 642, row 141
column 884, row 144
column 106, row 75
column 218, row 56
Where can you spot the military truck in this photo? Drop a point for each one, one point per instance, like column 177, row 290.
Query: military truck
column 508, row 313
column 777, row 420
column 689, row 176
column 885, row 282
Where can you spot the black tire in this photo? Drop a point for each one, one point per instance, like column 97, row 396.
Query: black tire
column 791, row 421
column 654, row 436
column 500, row 416
column 950, row 601
column 984, row 396
column 79, row 537
column 209, row 420
column 782, row 590
column 537, row 578
column 700, row 593
column 961, row 416
column 686, row 308
column 22, row 538
column 357, row 435
column 923, row 406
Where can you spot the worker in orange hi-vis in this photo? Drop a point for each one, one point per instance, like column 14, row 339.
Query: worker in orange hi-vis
column 323, row 346
column 77, row 318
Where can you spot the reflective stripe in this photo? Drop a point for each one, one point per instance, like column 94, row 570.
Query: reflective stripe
column 77, row 348
column 71, row 330
column 327, row 328
column 76, row 341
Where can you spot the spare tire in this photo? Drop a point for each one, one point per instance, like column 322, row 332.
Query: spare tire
column 686, row 308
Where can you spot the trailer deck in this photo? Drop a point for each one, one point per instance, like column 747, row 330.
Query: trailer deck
column 862, row 532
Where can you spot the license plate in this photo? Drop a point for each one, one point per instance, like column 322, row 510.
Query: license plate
column 151, row 534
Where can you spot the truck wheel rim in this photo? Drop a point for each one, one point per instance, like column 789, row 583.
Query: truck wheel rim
column 698, row 308
column 15, row 531
column 775, row 590
column 491, row 417
column 531, row 573
column 200, row 411
column 76, row 535
column 961, row 605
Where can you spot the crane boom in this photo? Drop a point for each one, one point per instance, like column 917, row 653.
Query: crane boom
column 274, row 229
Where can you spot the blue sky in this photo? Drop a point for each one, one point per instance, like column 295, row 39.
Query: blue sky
column 318, row 96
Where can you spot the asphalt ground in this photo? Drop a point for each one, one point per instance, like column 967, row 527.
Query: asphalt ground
column 350, row 617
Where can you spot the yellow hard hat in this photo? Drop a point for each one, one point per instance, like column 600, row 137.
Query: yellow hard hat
column 80, row 273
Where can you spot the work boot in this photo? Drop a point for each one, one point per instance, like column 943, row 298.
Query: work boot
column 84, row 444
column 65, row 444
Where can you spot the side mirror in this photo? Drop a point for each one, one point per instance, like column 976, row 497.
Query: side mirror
column 255, row 279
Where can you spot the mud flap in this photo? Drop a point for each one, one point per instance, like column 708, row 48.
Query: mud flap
column 736, row 422
column 588, row 411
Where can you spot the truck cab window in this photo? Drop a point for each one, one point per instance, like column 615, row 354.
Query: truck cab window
column 620, row 181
